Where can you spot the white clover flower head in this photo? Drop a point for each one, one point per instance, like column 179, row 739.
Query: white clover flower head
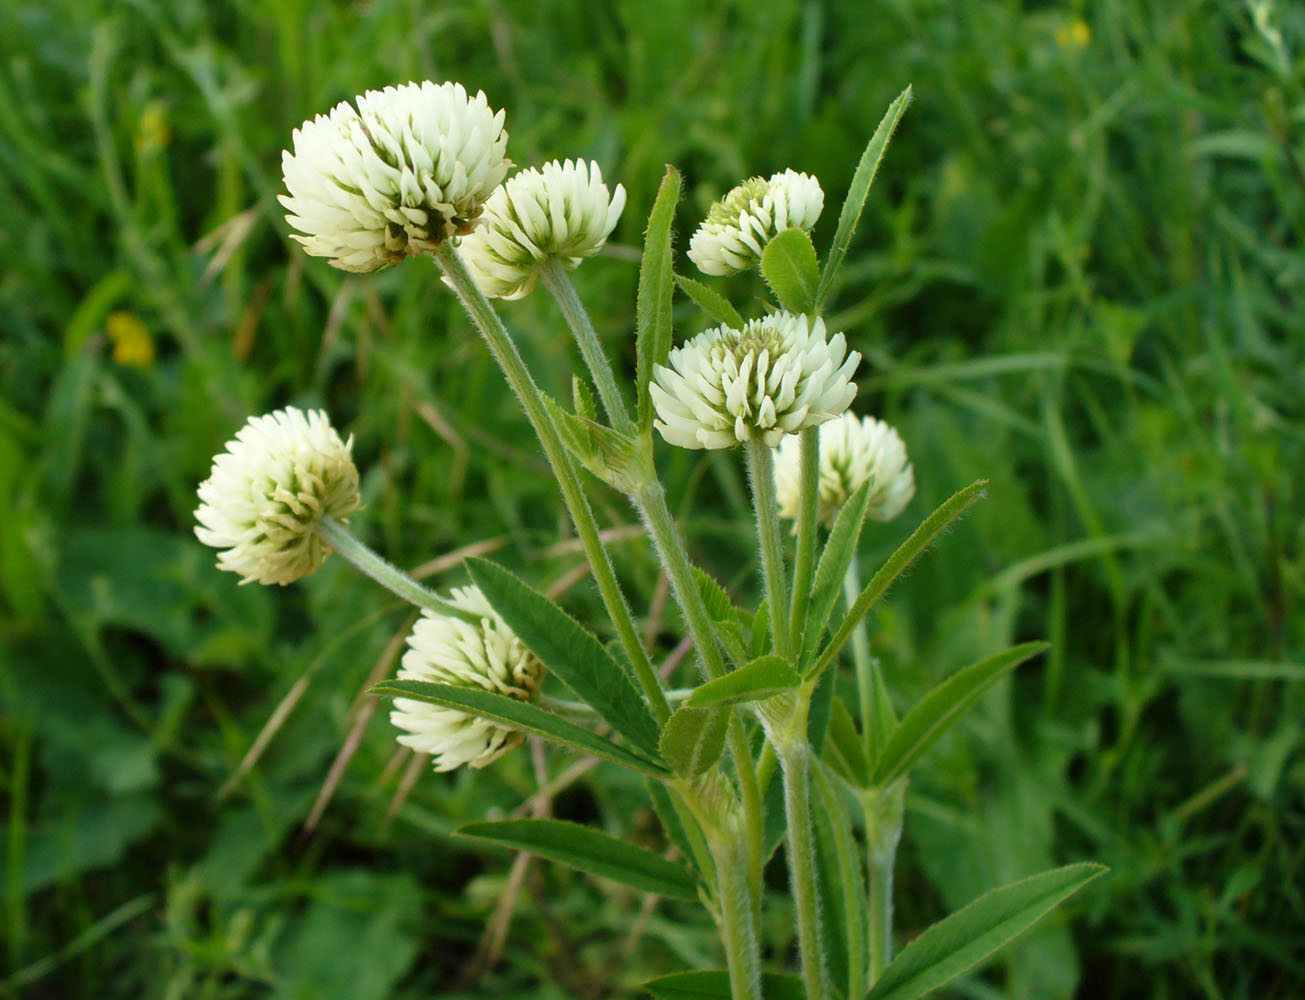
column 445, row 649
column 853, row 450
column 410, row 168
column 278, row 477
column 776, row 376
column 738, row 227
column 560, row 210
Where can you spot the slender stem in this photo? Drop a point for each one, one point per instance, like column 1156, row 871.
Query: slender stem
column 558, row 282
column 865, row 668
column 883, row 827
column 761, row 474
column 518, row 376
column 650, row 500
column 738, row 927
column 804, row 563
column 795, row 763
column 368, row 561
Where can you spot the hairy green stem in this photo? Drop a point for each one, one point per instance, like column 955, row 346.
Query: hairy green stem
column 368, row 561
column 804, row 562
column 883, row 832
column 795, row 764
column 738, row 916
column 649, row 499
column 761, row 475
column 518, row 376
column 558, row 282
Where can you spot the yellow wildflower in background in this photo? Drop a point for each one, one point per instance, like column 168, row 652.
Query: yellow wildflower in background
column 132, row 343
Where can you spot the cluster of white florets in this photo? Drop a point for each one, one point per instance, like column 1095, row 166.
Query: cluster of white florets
column 853, row 451
column 778, row 375
column 562, row 211
column 486, row 654
column 260, row 504
column 738, row 227
column 410, row 167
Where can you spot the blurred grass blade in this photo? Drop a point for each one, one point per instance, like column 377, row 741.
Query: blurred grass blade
column 590, row 851
column 857, row 191
column 844, row 748
column 710, row 301
column 714, row 984
column 831, row 571
column 520, row 715
column 569, row 651
column 898, row 563
column 925, row 724
column 972, row 934
column 656, row 282
column 694, row 739
column 790, row 268
column 765, row 676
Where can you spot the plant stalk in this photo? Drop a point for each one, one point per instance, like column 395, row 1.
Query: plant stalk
column 804, row 562
column 883, row 831
column 559, row 284
column 738, row 916
column 795, row 765
column 761, row 475
column 518, row 376
column 371, row 563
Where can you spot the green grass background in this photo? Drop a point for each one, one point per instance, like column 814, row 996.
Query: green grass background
column 1080, row 274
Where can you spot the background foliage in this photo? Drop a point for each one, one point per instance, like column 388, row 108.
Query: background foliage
column 1079, row 274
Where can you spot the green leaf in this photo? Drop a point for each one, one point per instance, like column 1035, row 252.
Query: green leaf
column 582, row 398
column 760, row 640
column 710, row 301
column 520, row 715
column 789, row 266
column 842, row 901
column 591, row 851
column 723, row 614
column 972, row 934
column 857, row 191
column 822, row 705
column 694, row 739
column 925, row 724
column 715, row 985
column 910, row 550
column 837, row 555
column 844, row 748
column 573, row 654
column 763, row 677
column 656, row 282
column 608, row 454
column 670, row 818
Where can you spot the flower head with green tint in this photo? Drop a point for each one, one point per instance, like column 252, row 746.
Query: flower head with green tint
column 738, row 227
column 561, row 210
column 266, row 492
column 411, row 167
column 853, row 451
column 776, row 376
column 446, row 649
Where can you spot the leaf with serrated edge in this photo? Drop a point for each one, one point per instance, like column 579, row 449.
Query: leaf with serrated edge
column 694, row 739
column 519, row 715
column 572, row 654
column 590, row 851
column 972, row 934
column 789, row 266
column 714, row 984
column 898, row 563
column 924, row 725
column 763, row 677
column 656, row 281
column 710, row 301
column 838, row 553
column 854, row 203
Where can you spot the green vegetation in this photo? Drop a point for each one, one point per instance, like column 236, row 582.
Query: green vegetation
column 1078, row 276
